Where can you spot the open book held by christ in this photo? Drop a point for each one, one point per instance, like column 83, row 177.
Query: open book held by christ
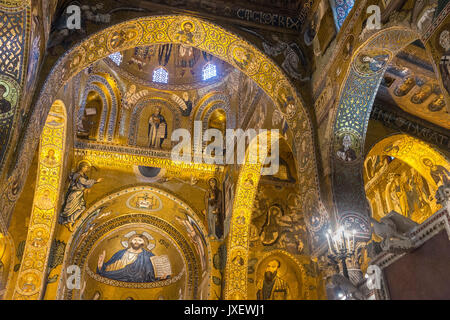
column 161, row 266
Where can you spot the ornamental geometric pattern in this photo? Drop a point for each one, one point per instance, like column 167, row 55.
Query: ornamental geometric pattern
column 13, row 28
column 12, row 43
column 14, row 5
column 134, row 285
column 238, row 243
column 341, row 10
column 356, row 101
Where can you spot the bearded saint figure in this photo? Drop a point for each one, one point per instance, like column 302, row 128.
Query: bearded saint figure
column 272, row 287
column 157, row 129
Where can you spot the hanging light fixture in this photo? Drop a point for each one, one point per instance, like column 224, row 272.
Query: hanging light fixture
column 341, row 246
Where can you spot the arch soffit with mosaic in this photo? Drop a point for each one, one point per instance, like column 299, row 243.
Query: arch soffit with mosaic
column 356, row 97
column 236, row 271
column 106, row 87
column 44, row 211
column 388, row 41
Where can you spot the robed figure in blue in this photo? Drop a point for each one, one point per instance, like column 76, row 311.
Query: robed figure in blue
column 129, row 265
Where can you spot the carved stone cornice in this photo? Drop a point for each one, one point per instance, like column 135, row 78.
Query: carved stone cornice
column 419, row 235
column 391, row 117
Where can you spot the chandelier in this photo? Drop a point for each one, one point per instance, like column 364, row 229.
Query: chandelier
column 341, row 246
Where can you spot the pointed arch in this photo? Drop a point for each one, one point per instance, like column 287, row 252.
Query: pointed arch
column 413, row 152
column 207, row 37
column 236, row 272
column 356, row 98
column 387, row 180
column 76, row 238
column 107, row 89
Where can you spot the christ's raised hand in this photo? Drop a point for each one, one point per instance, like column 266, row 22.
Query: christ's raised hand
column 101, row 259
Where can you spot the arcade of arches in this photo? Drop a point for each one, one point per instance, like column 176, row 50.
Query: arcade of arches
column 355, row 121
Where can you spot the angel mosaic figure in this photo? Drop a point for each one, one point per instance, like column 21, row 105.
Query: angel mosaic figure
column 75, row 203
column 293, row 55
column 194, row 234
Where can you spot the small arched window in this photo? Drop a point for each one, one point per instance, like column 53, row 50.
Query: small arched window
column 116, row 57
column 160, row 75
column 209, row 71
